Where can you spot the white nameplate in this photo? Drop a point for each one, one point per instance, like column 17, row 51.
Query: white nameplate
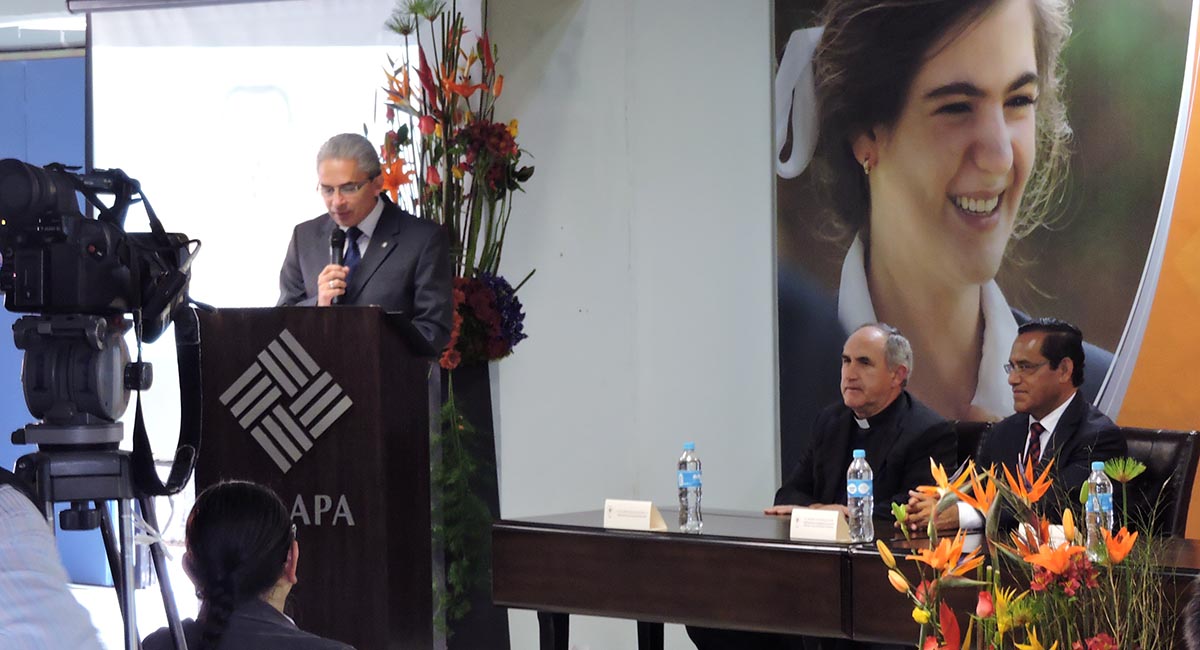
column 819, row 525
column 632, row 515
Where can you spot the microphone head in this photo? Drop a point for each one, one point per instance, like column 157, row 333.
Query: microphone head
column 337, row 242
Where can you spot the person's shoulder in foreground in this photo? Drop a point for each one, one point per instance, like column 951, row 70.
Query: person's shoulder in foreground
column 37, row 609
column 255, row 625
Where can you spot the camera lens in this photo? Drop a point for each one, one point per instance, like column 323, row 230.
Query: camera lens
column 28, row 192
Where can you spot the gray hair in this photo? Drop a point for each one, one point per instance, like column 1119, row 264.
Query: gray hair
column 351, row 146
column 897, row 351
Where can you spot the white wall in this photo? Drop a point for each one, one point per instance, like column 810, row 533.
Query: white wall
column 649, row 220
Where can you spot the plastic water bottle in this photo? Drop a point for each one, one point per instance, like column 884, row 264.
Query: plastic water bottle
column 1099, row 510
column 860, row 498
column 691, row 520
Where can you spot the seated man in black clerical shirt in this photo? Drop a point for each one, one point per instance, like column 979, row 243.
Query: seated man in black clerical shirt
column 876, row 413
column 899, row 433
column 1053, row 420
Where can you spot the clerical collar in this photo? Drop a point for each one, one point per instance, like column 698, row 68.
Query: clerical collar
column 879, row 418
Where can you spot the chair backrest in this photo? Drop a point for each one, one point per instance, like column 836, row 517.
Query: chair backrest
column 970, row 436
column 1170, row 458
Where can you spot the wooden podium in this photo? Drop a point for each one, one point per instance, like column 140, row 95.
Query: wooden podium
column 331, row 408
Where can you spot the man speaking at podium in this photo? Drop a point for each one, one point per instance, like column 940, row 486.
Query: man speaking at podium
column 382, row 256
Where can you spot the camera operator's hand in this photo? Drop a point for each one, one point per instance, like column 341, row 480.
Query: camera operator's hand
column 331, row 283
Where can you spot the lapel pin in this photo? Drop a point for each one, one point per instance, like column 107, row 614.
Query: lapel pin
column 384, row 245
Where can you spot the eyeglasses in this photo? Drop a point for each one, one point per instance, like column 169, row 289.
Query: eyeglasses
column 346, row 189
column 1023, row 367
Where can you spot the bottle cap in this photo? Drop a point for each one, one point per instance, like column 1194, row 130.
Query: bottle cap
column 860, row 453
column 1097, row 465
column 689, row 446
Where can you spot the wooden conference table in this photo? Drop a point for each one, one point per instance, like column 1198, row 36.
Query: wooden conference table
column 742, row 572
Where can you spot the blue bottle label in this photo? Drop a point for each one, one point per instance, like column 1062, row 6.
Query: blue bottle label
column 689, row 478
column 1105, row 501
column 857, row 489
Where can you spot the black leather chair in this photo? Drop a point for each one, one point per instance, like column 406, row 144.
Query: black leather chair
column 1164, row 490
column 970, row 435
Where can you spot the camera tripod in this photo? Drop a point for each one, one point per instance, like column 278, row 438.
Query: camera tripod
column 77, row 376
column 87, row 479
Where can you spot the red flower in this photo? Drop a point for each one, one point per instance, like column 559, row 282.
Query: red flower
column 1099, row 642
column 426, row 125
column 950, row 632
column 425, row 74
column 984, row 608
column 432, row 176
column 485, row 49
column 924, row 591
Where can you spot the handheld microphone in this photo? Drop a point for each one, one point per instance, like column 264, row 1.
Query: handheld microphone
column 337, row 242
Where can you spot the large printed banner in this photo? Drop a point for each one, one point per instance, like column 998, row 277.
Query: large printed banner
column 1038, row 159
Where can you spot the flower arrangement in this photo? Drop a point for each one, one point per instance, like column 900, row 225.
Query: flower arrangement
column 466, row 167
column 1061, row 597
column 488, row 321
column 460, row 167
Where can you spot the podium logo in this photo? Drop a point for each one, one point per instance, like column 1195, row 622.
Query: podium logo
column 285, row 400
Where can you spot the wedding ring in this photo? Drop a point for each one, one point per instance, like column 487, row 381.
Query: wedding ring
column 331, row 284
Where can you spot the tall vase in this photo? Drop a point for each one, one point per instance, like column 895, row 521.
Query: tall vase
column 485, row 626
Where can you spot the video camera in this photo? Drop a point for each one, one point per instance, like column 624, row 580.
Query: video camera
column 78, row 277
column 56, row 261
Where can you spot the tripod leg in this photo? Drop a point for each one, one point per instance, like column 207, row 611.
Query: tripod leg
column 164, row 579
column 125, row 514
column 113, row 552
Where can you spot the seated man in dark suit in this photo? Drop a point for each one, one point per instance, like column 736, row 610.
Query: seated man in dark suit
column 391, row 258
column 899, row 434
column 1053, row 420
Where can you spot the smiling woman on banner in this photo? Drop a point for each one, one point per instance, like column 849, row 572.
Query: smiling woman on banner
column 938, row 133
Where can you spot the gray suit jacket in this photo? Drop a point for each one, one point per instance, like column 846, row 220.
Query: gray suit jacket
column 254, row 625
column 405, row 268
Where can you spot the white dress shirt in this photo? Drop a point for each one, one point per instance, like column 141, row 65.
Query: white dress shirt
column 367, row 226
column 37, row 610
column 992, row 392
column 970, row 518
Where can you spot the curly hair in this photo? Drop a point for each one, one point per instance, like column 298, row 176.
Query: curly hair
column 868, row 57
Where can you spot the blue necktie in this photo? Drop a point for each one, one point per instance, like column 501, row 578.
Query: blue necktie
column 353, row 256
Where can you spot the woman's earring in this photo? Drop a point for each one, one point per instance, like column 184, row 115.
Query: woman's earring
column 866, row 163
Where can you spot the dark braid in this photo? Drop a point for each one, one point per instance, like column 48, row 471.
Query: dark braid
column 238, row 537
column 218, row 607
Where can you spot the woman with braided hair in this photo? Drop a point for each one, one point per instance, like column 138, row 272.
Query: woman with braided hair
column 241, row 555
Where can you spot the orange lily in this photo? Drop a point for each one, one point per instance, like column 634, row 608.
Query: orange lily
column 1119, row 545
column 899, row 583
column 1054, row 560
column 1025, row 486
column 983, row 493
column 498, row 87
column 464, row 89
column 946, row 557
column 943, row 483
column 394, row 176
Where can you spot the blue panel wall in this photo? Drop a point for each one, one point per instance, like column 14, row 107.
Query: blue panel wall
column 42, row 121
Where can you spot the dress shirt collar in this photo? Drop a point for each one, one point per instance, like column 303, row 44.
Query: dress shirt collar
column 1050, row 422
column 992, row 392
column 367, row 225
